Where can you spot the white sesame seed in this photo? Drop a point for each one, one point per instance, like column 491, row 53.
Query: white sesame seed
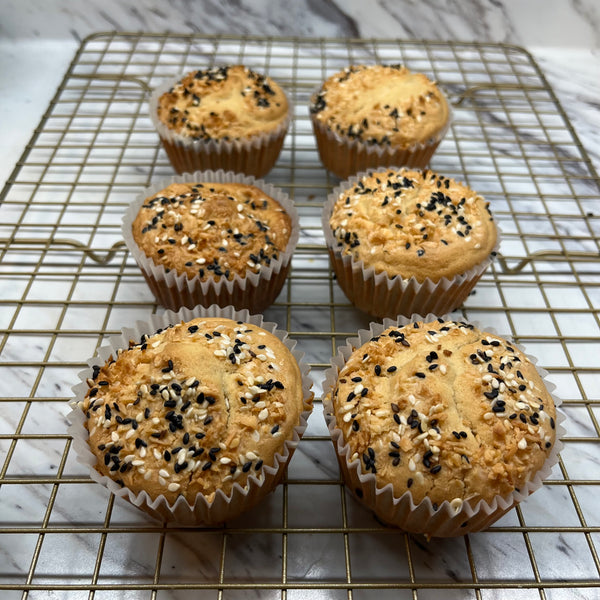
column 261, row 357
column 256, row 435
column 443, row 369
column 162, row 481
column 263, row 414
column 251, row 455
column 139, row 417
column 143, row 452
column 487, row 378
column 181, row 458
column 495, row 384
column 157, row 454
column 347, row 417
column 489, row 415
column 164, row 473
column 173, row 487
column 155, row 420
column 114, row 436
column 130, row 434
column 522, row 444
column 358, row 389
column 411, row 465
column 225, row 460
column 456, row 504
column 147, row 475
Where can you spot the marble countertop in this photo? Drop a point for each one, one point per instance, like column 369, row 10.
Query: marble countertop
column 41, row 41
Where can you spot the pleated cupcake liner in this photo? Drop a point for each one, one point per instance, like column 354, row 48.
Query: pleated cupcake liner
column 222, row 507
column 402, row 511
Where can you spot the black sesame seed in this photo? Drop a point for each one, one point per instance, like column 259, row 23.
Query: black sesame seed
column 247, row 466
column 436, row 469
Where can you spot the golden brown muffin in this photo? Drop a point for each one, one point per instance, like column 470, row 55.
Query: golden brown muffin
column 212, row 230
column 383, row 105
column 223, row 103
column 193, row 409
column 446, row 411
column 412, row 223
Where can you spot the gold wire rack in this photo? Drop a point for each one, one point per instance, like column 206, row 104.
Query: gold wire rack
column 67, row 282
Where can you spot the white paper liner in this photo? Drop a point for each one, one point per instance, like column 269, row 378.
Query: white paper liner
column 222, row 507
column 254, row 291
column 255, row 155
column 380, row 295
column 346, row 156
column 401, row 511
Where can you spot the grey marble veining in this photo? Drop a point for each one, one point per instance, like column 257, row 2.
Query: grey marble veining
column 569, row 23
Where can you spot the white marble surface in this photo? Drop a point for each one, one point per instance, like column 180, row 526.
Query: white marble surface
column 40, row 38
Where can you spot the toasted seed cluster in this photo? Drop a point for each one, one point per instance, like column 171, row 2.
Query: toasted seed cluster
column 212, row 230
column 445, row 411
column 224, row 103
column 383, row 105
column 413, row 223
column 193, row 408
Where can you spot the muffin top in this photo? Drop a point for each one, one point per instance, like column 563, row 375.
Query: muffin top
column 223, row 103
column 212, row 230
column 446, row 411
column 193, row 408
column 385, row 105
column 412, row 223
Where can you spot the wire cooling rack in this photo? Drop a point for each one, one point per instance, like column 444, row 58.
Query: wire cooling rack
column 66, row 282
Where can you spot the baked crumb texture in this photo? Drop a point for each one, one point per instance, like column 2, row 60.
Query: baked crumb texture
column 404, row 241
column 445, row 412
column 205, row 242
column 373, row 115
column 227, row 117
column 194, row 409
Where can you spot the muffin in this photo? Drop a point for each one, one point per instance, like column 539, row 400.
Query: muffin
column 204, row 408
column 440, row 427
column 403, row 241
column 368, row 116
column 227, row 117
column 205, row 238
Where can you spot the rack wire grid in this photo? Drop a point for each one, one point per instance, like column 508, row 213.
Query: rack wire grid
column 67, row 282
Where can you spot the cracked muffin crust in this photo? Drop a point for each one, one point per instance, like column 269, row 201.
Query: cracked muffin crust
column 368, row 116
column 444, row 411
column 212, row 230
column 383, row 105
column 193, row 409
column 413, row 223
column 229, row 102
